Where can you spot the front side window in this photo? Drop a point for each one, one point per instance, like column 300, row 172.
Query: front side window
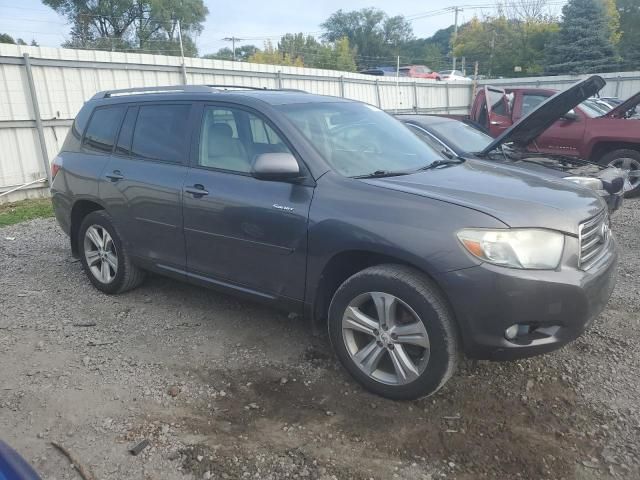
column 496, row 100
column 161, row 132
column 358, row 139
column 102, row 129
column 231, row 139
column 530, row 102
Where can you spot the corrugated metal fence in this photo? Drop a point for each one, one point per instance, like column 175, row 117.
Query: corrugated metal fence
column 42, row 89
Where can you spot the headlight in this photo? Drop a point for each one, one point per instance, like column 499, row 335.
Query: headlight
column 589, row 182
column 529, row 248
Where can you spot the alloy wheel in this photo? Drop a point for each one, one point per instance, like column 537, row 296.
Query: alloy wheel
column 385, row 338
column 632, row 167
column 100, row 254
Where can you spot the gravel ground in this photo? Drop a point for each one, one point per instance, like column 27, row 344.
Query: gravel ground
column 227, row 389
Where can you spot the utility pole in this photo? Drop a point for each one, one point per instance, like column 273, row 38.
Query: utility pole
column 456, row 10
column 475, row 82
column 233, row 41
column 184, row 67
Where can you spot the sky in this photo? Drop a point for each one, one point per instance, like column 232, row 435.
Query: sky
column 254, row 20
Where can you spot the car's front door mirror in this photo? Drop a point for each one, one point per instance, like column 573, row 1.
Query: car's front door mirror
column 571, row 115
column 276, row 166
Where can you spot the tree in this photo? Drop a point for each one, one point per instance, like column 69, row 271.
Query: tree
column 613, row 20
column 501, row 43
column 373, row 35
column 336, row 55
column 6, row 38
column 432, row 51
column 272, row 56
column 242, row 53
column 583, row 44
column 629, row 12
column 149, row 25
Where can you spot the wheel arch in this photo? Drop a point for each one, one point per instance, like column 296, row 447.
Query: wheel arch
column 343, row 265
column 81, row 208
column 601, row 148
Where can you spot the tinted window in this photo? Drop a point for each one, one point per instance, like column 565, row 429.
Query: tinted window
column 74, row 137
column 102, row 129
column 223, row 144
column 123, row 147
column 161, row 132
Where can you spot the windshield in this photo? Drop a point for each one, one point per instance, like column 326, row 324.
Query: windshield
column 466, row 137
column 359, row 139
column 591, row 109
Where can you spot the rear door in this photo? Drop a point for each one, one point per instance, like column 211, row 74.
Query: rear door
column 240, row 231
column 498, row 110
column 142, row 183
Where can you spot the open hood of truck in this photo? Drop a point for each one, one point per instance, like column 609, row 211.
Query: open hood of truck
column 621, row 110
column 529, row 127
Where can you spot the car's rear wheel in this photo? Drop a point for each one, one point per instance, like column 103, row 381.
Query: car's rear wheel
column 393, row 331
column 628, row 160
column 104, row 257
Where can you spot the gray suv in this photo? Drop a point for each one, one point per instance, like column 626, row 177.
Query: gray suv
column 333, row 209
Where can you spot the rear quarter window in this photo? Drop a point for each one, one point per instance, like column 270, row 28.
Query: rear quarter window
column 73, row 141
column 102, row 129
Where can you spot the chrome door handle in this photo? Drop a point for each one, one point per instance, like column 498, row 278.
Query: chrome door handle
column 494, row 122
column 197, row 190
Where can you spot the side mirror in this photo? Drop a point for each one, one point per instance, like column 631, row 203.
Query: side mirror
column 276, row 166
column 571, row 115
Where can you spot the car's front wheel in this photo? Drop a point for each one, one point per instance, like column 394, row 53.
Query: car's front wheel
column 394, row 332
column 104, row 256
column 628, row 160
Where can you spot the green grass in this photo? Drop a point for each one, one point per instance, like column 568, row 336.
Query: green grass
column 16, row 212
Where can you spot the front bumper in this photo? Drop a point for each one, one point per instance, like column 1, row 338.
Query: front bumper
column 562, row 303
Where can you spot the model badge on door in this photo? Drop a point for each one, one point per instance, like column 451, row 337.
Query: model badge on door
column 282, row 207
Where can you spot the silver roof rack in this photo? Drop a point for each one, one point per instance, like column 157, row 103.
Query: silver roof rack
column 157, row 90
column 184, row 89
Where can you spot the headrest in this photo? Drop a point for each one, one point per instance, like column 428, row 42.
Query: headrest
column 221, row 130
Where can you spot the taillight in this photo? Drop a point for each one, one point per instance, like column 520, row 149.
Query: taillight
column 55, row 166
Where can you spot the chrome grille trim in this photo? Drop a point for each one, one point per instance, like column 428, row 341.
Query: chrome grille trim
column 591, row 241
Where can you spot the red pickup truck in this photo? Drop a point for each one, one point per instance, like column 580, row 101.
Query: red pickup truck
column 588, row 132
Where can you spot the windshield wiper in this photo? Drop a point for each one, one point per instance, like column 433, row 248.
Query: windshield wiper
column 382, row 174
column 440, row 163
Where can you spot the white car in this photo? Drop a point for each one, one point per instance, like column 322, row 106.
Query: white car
column 453, row 75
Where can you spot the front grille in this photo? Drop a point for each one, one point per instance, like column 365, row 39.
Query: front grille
column 593, row 236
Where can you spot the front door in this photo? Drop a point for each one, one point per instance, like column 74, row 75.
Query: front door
column 498, row 110
column 142, row 184
column 240, row 231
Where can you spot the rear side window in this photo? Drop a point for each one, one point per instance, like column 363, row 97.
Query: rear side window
column 161, row 132
column 102, row 129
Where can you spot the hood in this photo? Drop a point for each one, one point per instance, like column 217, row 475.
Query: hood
column 624, row 107
column 529, row 127
column 510, row 194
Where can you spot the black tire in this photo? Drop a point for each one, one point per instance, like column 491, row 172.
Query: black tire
column 127, row 275
column 613, row 158
column 420, row 294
